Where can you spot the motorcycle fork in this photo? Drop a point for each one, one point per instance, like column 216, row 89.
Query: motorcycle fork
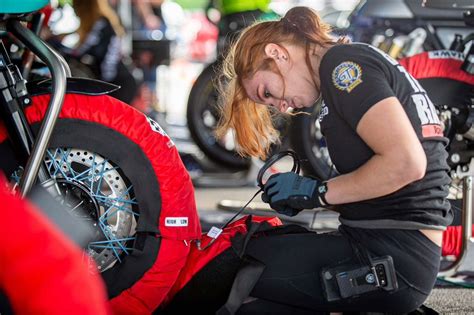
column 14, row 95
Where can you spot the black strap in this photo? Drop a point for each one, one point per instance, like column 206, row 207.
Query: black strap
column 244, row 282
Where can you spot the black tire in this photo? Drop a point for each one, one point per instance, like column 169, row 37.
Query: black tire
column 202, row 116
column 308, row 142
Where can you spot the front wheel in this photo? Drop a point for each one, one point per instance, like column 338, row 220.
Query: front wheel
column 121, row 169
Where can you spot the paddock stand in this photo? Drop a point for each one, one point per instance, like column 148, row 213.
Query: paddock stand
column 466, row 173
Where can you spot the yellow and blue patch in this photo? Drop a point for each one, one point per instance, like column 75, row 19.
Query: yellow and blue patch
column 346, row 76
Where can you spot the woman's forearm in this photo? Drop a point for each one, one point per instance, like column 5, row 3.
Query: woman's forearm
column 380, row 176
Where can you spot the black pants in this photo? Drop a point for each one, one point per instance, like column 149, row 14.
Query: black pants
column 294, row 262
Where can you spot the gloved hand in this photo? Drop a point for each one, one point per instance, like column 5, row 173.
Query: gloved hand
column 289, row 193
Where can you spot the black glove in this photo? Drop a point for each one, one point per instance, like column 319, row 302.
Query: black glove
column 289, row 193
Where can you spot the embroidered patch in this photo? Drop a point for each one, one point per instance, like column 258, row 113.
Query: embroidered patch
column 176, row 221
column 347, row 76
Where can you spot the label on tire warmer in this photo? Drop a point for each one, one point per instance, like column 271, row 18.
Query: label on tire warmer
column 176, row 221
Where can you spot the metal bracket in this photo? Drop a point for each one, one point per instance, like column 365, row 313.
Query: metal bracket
column 467, row 175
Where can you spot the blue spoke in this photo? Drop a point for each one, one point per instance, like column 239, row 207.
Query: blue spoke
column 16, row 177
column 108, row 246
column 115, row 239
column 105, row 217
column 59, row 163
column 101, row 173
column 105, row 199
column 64, row 159
column 57, row 167
column 79, row 177
column 51, row 159
column 106, row 232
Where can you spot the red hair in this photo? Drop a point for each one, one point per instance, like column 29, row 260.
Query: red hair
column 252, row 123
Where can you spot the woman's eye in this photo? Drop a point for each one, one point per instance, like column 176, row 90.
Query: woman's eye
column 266, row 94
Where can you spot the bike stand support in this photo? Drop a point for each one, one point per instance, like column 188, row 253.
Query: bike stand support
column 466, row 222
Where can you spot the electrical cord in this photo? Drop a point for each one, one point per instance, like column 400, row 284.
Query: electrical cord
column 214, row 232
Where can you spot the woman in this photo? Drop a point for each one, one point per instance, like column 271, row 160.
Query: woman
column 385, row 139
column 100, row 46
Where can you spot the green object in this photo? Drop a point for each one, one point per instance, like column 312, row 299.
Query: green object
column 21, row 6
column 236, row 6
column 192, row 4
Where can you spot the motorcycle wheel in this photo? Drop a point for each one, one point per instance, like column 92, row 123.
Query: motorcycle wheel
column 202, row 117
column 108, row 160
column 94, row 176
column 308, row 142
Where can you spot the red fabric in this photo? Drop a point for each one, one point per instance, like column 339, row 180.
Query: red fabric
column 176, row 188
column 47, row 11
column 41, row 271
column 148, row 293
column 3, row 132
column 437, row 64
column 452, row 239
column 197, row 259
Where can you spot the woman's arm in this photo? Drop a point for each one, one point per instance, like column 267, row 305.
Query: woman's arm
column 399, row 157
column 145, row 10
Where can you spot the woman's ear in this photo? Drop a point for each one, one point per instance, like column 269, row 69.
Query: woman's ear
column 276, row 52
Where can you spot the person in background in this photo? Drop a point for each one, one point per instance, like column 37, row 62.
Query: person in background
column 100, row 46
column 147, row 19
column 150, row 15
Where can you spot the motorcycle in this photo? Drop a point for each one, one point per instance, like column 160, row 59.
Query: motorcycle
column 101, row 159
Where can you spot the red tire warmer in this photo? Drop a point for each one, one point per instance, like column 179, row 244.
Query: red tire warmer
column 443, row 64
column 176, row 190
column 197, row 258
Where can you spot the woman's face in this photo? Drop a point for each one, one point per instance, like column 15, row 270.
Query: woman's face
column 296, row 90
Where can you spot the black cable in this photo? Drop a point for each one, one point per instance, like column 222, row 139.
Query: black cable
column 214, row 232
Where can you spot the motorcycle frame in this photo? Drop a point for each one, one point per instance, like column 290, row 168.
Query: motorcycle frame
column 12, row 108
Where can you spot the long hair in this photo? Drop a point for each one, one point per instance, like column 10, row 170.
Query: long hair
column 252, row 123
column 89, row 11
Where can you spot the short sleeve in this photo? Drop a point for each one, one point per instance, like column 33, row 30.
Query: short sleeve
column 353, row 79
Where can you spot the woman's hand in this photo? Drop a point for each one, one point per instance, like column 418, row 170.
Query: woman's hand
column 289, row 193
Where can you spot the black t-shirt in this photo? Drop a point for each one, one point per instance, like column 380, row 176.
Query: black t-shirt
column 354, row 77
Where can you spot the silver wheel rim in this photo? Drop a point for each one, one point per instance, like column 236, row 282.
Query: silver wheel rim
column 113, row 197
